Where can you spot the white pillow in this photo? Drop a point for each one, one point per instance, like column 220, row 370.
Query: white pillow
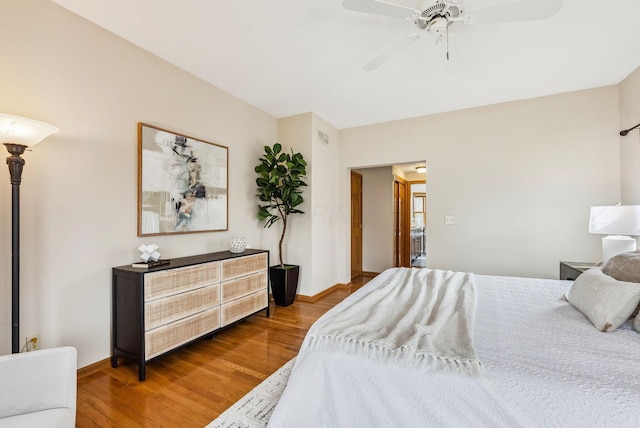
column 636, row 323
column 606, row 301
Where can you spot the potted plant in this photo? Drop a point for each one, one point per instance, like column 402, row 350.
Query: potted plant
column 280, row 181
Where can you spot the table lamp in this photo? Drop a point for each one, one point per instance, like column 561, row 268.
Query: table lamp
column 618, row 222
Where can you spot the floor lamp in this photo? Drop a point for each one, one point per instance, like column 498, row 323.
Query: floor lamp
column 17, row 133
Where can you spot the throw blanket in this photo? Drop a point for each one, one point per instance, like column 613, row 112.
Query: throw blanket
column 418, row 317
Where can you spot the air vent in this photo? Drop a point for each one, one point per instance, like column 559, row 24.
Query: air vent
column 322, row 137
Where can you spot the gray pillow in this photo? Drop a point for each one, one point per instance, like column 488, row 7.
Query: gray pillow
column 624, row 267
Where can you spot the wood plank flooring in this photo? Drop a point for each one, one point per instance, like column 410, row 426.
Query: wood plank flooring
column 192, row 386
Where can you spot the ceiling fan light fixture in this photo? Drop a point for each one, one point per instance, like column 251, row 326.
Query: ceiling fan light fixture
column 440, row 14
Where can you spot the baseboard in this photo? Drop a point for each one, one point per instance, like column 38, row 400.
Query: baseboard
column 370, row 273
column 303, row 298
column 93, row 368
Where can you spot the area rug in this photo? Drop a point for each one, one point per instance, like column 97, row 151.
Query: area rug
column 254, row 409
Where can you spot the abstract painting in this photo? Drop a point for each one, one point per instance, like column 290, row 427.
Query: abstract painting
column 182, row 183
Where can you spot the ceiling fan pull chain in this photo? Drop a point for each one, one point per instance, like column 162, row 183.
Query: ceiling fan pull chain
column 447, row 42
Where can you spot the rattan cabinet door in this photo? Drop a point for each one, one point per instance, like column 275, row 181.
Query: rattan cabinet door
column 172, row 281
column 243, row 307
column 240, row 287
column 172, row 308
column 241, row 266
column 169, row 336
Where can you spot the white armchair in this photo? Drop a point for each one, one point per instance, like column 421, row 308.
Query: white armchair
column 38, row 389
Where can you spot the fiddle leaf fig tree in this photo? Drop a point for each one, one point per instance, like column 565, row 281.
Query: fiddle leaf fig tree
column 280, row 180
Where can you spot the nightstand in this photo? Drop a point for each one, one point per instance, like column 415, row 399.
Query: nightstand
column 572, row 270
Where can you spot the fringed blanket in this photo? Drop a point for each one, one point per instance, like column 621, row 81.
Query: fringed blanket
column 418, row 317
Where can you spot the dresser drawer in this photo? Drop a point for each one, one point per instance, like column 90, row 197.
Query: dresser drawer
column 169, row 336
column 240, row 266
column 168, row 309
column 243, row 286
column 233, row 311
column 168, row 282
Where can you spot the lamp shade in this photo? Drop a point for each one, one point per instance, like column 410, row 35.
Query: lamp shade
column 615, row 220
column 23, row 131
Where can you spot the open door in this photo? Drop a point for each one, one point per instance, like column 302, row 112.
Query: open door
column 401, row 223
column 356, row 224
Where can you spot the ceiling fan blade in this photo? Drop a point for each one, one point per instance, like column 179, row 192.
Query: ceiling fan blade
column 390, row 52
column 528, row 10
column 377, row 7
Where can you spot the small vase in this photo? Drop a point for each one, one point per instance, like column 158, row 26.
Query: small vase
column 237, row 245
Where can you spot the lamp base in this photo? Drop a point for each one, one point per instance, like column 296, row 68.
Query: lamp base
column 616, row 244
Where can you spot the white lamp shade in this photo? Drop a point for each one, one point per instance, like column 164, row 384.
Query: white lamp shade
column 615, row 220
column 23, row 131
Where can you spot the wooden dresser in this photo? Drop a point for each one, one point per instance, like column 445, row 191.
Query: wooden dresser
column 160, row 309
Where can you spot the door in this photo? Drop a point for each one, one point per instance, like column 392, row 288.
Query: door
column 356, row 224
column 401, row 223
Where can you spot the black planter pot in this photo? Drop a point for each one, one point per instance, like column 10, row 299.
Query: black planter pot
column 284, row 283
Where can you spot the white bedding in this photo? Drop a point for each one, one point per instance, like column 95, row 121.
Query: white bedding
column 545, row 366
column 434, row 329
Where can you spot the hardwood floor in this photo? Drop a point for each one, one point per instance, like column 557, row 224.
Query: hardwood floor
column 192, row 386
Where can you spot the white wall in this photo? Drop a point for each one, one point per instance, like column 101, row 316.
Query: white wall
column 325, row 235
column 518, row 177
column 377, row 218
column 314, row 235
column 295, row 133
column 79, row 187
column 629, row 90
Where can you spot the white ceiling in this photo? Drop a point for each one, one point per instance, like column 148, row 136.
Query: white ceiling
column 295, row 56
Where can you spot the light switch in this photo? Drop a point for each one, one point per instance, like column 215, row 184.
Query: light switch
column 448, row 219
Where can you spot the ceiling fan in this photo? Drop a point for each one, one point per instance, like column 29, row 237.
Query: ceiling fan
column 438, row 15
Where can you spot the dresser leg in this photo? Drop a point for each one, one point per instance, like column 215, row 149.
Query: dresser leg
column 142, row 375
column 114, row 361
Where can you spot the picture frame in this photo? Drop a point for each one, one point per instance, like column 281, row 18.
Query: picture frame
column 182, row 183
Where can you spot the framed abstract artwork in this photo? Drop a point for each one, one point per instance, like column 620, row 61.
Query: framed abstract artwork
column 182, row 183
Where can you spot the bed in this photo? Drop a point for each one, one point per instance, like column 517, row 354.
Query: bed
column 542, row 364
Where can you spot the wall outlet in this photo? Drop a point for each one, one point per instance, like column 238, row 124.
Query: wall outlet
column 32, row 343
column 448, row 219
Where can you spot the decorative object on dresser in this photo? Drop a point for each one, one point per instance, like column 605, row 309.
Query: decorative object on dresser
column 617, row 221
column 182, row 183
column 571, row 270
column 162, row 308
column 150, row 257
column 280, row 181
column 17, row 133
column 237, row 245
column 149, row 252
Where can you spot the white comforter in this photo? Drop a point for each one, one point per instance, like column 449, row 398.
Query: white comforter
column 545, row 366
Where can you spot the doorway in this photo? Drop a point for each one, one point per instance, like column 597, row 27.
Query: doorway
column 410, row 220
column 418, row 219
column 381, row 217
